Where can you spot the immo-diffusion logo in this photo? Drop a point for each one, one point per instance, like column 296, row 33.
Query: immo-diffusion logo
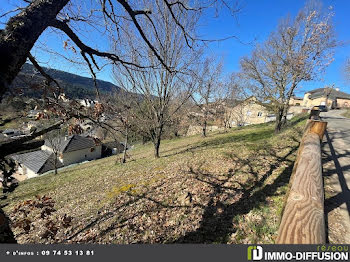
column 330, row 253
column 255, row 253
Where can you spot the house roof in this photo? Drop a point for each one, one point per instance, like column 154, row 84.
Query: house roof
column 298, row 98
column 320, row 92
column 253, row 99
column 38, row 161
column 10, row 130
column 71, row 143
column 113, row 144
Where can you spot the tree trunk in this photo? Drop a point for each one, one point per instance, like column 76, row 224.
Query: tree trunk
column 157, row 140
column 125, row 146
column 281, row 118
column 204, row 129
column 6, row 234
column 20, row 34
column 156, row 148
column 144, row 140
column 55, row 164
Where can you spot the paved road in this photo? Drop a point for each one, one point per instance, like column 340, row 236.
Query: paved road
column 336, row 170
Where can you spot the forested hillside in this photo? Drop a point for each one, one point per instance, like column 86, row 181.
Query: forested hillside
column 74, row 86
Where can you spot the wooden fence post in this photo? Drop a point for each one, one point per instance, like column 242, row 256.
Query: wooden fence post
column 303, row 217
column 318, row 127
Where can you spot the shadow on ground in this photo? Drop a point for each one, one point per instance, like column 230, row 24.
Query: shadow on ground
column 330, row 158
column 228, row 199
column 217, row 221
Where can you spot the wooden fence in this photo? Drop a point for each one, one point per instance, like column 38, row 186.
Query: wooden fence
column 303, row 219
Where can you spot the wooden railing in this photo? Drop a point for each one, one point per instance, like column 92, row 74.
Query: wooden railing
column 303, row 219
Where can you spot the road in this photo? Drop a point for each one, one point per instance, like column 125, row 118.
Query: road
column 336, row 171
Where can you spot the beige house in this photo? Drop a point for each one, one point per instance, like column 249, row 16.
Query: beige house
column 250, row 111
column 333, row 98
column 71, row 149
column 296, row 101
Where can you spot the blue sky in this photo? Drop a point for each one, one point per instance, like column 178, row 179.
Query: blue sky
column 256, row 20
column 259, row 18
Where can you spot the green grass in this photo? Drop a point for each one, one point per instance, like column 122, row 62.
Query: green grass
column 240, row 175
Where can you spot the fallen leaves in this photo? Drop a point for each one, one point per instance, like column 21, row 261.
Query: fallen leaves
column 200, row 195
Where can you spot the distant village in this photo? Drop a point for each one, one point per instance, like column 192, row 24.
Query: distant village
column 65, row 150
column 252, row 111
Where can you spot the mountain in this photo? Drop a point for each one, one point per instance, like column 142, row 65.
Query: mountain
column 74, row 86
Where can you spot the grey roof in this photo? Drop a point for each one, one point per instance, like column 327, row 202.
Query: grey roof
column 333, row 94
column 113, row 144
column 42, row 161
column 10, row 130
column 71, row 143
column 298, row 98
column 38, row 161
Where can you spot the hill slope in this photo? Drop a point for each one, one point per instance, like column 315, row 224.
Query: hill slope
column 226, row 188
column 75, row 86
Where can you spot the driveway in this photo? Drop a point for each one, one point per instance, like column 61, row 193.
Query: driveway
column 336, row 171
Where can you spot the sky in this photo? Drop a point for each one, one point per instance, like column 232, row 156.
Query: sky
column 252, row 24
column 258, row 18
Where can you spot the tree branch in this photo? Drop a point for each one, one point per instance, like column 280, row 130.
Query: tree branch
column 48, row 78
column 132, row 14
column 87, row 49
column 14, row 146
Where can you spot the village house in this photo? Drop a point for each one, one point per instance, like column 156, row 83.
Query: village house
column 12, row 132
column 71, row 149
column 247, row 112
column 296, row 101
column 251, row 111
column 331, row 97
column 34, row 113
column 87, row 102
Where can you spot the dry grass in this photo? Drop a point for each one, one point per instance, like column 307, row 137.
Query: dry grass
column 226, row 188
column 346, row 113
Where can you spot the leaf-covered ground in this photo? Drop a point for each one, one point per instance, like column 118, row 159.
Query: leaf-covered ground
column 226, row 188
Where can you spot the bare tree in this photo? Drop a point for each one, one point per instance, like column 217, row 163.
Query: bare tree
column 299, row 50
column 26, row 24
column 121, row 108
column 233, row 94
column 156, row 85
column 207, row 95
column 327, row 92
column 70, row 18
column 54, row 140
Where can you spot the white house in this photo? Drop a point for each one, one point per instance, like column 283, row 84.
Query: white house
column 87, row 102
column 71, row 149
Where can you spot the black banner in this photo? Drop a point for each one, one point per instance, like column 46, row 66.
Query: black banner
column 178, row 253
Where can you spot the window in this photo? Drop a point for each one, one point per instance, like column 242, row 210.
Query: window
column 259, row 114
column 92, row 149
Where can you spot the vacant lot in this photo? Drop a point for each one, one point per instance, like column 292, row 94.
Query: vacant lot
column 226, row 188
